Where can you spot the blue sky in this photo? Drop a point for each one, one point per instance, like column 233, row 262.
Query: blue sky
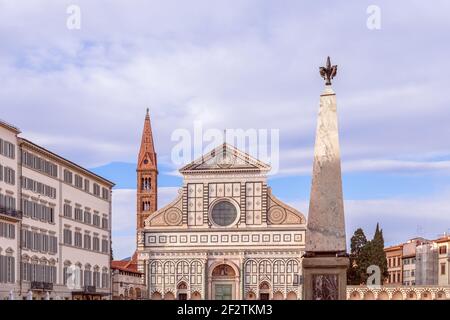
column 242, row 64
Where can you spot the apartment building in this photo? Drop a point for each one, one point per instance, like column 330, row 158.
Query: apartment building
column 60, row 214
column 394, row 264
column 443, row 245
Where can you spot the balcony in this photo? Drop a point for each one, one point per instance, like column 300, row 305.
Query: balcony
column 43, row 286
column 11, row 213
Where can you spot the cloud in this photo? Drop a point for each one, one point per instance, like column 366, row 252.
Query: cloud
column 89, row 88
column 400, row 218
column 124, row 218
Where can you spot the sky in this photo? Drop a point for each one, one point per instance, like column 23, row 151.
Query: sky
column 82, row 93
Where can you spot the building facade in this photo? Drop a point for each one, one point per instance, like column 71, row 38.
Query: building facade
column 62, row 240
column 398, row 293
column 225, row 236
column 443, row 245
column 128, row 282
column 427, row 264
column 394, row 264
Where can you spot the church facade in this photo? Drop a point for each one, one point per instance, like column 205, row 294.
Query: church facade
column 225, row 235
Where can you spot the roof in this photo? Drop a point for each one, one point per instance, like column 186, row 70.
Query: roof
column 394, row 248
column 129, row 265
column 8, row 126
column 69, row 163
column 225, row 158
column 443, row 239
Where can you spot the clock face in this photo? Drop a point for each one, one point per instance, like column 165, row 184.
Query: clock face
column 145, row 161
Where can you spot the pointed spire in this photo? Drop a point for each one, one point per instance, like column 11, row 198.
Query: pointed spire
column 147, row 149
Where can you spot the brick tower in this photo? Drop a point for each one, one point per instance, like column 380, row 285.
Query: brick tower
column 147, row 176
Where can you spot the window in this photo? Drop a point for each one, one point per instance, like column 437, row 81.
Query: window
column 8, row 202
column 7, row 269
column 87, row 217
column 96, row 220
column 53, row 245
column 78, row 214
column 78, row 240
column 105, row 246
column 96, row 244
column 39, row 164
column 38, row 211
column 96, row 282
column 224, row 213
column 78, row 181
column 96, row 189
column 7, row 230
column 105, row 282
column 9, row 175
column 67, row 176
column 443, row 269
column 442, row 249
column 67, row 210
column 87, row 242
column 86, row 185
column 67, row 236
column 87, row 276
column 38, row 187
column 7, row 149
column 105, row 193
column 104, row 223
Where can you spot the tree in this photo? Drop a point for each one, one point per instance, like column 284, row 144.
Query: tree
column 365, row 253
column 358, row 255
column 377, row 254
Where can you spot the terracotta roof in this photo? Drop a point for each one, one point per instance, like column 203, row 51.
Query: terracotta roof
column 393, row 248
column 443, row 239
column 126, row 265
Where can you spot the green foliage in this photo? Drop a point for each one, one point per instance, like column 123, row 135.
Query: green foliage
column 364, row 253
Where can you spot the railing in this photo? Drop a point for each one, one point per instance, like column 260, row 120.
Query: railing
column 39, row 285
column 11, row 212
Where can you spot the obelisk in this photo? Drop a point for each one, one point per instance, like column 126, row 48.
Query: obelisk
column 325, row 261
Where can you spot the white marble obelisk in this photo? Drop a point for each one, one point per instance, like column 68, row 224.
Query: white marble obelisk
column 325, row 261
column 326, row 224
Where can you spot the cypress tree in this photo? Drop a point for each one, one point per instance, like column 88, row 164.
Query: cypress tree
column 358, row 243
column 377, row 254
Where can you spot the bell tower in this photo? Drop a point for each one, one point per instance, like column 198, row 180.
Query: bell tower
column 147, row 175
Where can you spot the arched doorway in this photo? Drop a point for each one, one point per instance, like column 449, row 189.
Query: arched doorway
column 383, row 295
column 369, row 295
column 277, row 296
column 291, row 296
column 138, row 293
column 196, row 295
column 355, row 295
column 182, row 290
column 411, row 295
column 440, row 295
column 264, row 291
column 156, row 296
column 169, row 296
column 251, row 295
column 131, row 293
column 426, row 295
column 223, row 282
column 397, row 295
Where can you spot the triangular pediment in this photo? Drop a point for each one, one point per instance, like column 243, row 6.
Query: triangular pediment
column 225, row 158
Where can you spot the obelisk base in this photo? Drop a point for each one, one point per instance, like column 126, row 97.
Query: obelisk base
column 325, row 278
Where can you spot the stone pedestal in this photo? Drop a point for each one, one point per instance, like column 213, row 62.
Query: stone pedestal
column 325, row 278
